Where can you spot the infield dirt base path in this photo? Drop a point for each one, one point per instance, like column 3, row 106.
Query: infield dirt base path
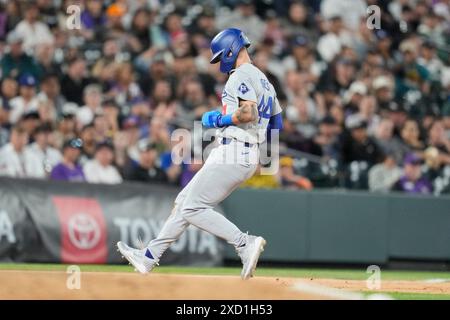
column 111, row 285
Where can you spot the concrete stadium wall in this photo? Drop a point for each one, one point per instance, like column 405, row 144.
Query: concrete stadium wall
column 343, row 227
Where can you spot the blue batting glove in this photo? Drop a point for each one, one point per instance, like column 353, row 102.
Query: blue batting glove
column 211, row 119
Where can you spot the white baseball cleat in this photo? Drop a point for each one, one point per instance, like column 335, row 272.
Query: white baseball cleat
column 141, row 259
column 250, row 254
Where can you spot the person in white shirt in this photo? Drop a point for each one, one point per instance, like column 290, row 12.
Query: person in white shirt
column 27, row 101
column 100, row 169
column 93, row 104
column 332, row 42
column 383, row 175
column 32, row 31
column 42, row 149
column 16, row 160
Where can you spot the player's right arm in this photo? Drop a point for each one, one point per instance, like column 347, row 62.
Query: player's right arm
column 244, row 95
column 247, row 112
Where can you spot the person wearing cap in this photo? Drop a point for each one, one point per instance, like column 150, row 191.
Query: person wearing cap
column 42, row 148
column 27, row 100
column 367, row 112
column 146, row 170
column 15, row 61
column 88, row 136
column 69, row 169
column 16, row 160
column 32, row 30
column 383, row 88
column 410, row 74
column 412, row 180
column 353, row 96
column 66, row 127
column 101, row 168
column 357, row 145
column 92, row 96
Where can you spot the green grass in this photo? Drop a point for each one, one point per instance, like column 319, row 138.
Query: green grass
column 418, row 296
column 349, row 274
column 355, row 274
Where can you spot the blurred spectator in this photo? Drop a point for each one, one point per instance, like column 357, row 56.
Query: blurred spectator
column 299, row 21
column 358, row 145
column 327, row 137
column 412, row 180
column 288, row 177
column 33, row 31
column 74, row 81
column 66, row 129
column 93, row 18
column 332, row 42
column 147, row 169
column 51, row 93
column 350, row 93
column 16, row 62
column 69, row 169
column 438, row 139
column 101, row 168
column 9, row 90
column 27, row 100
column 262, row 181
column 382, row 176
column 410, row 135
column 244, row 18
column 354, row 10
column 87, row 135
column 92, row 96
column 389, row 144
column 43, row 150
column 16, row 160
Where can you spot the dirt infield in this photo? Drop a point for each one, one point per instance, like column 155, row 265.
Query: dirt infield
column 112, row 285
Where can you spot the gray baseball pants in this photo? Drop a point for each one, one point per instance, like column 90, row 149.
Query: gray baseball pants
column 226, row 168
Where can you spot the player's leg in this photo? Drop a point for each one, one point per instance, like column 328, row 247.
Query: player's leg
column 226, row 169
column 211, row 187
column 145, row 259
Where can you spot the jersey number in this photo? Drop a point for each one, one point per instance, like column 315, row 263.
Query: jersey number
column 265, row 109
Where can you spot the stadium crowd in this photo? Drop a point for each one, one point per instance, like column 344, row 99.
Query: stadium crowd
column 95, row 96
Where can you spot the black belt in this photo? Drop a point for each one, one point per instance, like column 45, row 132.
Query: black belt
column 228, row 141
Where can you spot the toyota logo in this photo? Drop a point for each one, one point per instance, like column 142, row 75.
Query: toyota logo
column 84, row 231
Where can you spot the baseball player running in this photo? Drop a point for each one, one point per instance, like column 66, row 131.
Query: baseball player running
column 250, row 109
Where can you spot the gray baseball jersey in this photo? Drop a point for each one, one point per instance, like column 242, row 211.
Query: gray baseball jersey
column 219, row 177
column 247, row 82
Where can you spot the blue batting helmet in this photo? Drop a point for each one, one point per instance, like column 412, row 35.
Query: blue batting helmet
column 225, row 47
